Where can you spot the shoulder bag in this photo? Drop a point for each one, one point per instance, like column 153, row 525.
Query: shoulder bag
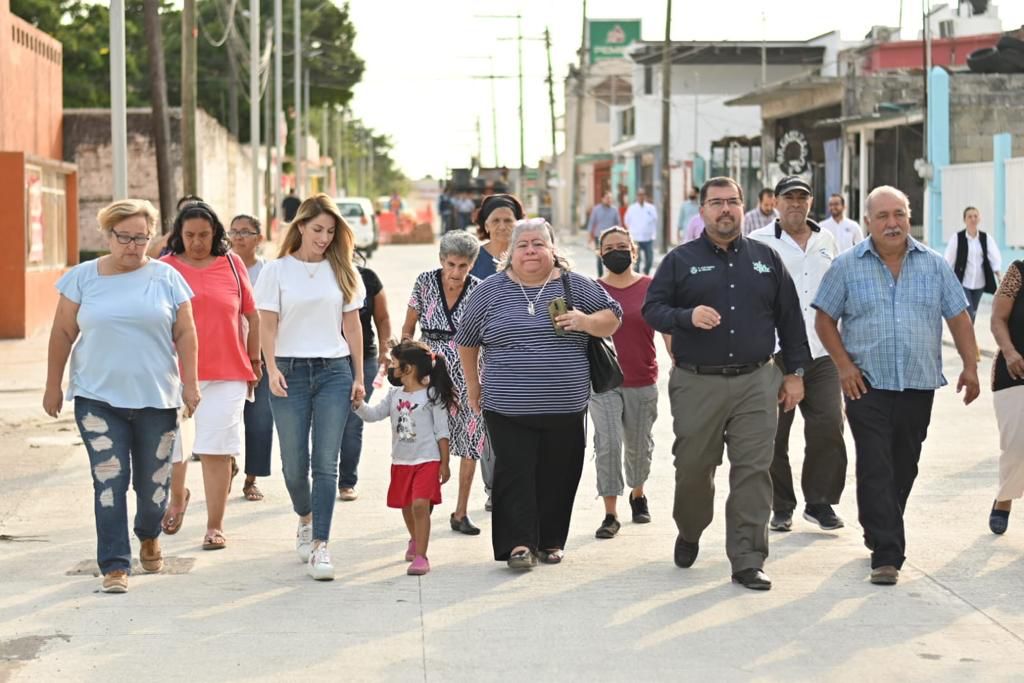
column 605, row 373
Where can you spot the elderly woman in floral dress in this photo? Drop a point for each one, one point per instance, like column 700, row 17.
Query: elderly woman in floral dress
column 436, row 304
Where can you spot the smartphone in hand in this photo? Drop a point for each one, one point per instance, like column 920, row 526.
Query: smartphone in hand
column 556, row 308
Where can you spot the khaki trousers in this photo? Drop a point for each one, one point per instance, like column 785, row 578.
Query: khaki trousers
column 709, row 414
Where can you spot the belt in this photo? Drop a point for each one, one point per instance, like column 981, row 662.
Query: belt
column 730, row 370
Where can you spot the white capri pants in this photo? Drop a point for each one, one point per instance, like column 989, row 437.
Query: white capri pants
column 1009, row 405
column 217, row 421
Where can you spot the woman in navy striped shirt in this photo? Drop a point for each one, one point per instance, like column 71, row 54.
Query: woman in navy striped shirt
column 536, row 389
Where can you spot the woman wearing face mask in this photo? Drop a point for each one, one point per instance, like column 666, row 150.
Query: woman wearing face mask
column 624, row 417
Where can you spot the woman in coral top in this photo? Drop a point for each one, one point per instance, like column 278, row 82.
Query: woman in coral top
column 228, row 363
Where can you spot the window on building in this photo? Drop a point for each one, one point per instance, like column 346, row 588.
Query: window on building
column 648, row 80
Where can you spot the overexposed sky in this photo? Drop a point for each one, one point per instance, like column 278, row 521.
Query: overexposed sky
column 421, row 58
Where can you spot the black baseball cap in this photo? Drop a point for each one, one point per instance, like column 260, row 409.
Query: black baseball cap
column 790, row 183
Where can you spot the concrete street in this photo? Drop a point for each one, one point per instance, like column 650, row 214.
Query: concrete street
column 614, row 610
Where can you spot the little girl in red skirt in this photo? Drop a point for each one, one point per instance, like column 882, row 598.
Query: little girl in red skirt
column 418, row 405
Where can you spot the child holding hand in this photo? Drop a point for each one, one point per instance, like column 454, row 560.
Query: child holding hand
column 418, row 405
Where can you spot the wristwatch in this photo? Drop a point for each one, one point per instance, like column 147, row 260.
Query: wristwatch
column 799, row 372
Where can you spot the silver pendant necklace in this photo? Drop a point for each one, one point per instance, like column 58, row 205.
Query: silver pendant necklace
column 316, row 268
column 531, row 307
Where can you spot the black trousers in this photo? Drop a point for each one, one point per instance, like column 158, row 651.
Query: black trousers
column 824, row 471
column 538, row 460
column 888, row 428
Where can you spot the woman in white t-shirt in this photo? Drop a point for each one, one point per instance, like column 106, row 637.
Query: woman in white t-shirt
column 309, row 301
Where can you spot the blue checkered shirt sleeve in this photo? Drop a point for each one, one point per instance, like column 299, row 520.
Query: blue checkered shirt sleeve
column 954, row 301
column 831, row 296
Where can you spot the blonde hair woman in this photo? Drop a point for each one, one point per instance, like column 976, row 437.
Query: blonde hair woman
column 129, row 320
column 309, row 301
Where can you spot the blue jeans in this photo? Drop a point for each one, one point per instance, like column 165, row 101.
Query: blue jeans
column 646, row 256
column 973, row 300
column 259, row 431
column 125, row 444
column 352, row 437
column 318, row 403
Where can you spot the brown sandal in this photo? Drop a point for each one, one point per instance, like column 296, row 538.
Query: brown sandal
column 172, row 521
column 234, row 473
column 251, row 491
column 214, row 540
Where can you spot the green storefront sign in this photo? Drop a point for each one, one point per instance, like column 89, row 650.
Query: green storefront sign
column 610, row 38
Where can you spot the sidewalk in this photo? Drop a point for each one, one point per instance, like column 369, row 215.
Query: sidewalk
column 614, row 610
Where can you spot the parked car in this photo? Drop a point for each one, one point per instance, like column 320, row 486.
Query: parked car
column 359, row 213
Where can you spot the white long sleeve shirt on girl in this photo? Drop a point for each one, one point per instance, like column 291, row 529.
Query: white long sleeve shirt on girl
column 417, row 424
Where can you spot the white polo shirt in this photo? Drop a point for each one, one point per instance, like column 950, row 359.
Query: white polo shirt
column 846, row 232
column 642, row 221
column 806, row 267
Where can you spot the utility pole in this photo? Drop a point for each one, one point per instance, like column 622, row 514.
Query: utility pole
column 300, row 178
column 158, row 99
column 551, row 93
column 189, row 162
column 581, row 83
column 278, row 118
column 268, row 177
column 494, row 116
column 344, row 151
column 522, row 108
column 479, row 143
column 254, row 100
column 307, row 128
column 666, row 111
column 118, row 113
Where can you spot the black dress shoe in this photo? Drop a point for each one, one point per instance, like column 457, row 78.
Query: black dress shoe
column 686, row 552
column 464, row 525
column 755, row 579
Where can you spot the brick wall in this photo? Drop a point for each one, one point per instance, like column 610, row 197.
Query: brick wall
column 983, row 105
column 224, row 165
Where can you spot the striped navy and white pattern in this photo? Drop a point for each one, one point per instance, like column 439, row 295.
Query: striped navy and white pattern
column 527, row 368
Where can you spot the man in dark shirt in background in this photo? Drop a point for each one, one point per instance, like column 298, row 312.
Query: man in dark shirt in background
column 722, row 297
column 290, row 205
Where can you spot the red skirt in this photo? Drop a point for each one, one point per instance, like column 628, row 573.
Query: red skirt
column 411, row 482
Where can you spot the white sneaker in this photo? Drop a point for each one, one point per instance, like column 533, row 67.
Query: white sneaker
column 320, row 567
column 304, row 541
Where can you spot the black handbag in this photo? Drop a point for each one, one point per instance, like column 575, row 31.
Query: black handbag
column 605, row 373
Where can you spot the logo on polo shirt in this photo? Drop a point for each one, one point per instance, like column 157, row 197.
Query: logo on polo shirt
column 761, row 268
column 694, row 270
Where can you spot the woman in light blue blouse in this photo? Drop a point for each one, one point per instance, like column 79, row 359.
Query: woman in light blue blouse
column 129, row 320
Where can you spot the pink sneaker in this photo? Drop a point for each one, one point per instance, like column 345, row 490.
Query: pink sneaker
column 410, row 551
column 420, row 566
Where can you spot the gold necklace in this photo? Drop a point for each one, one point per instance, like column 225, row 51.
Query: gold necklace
column 316, row 268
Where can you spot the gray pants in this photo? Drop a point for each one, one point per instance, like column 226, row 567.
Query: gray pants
column 824, row 471
column 623, row 419
column 710, row 412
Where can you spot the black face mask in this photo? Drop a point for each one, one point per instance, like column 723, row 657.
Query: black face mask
column 617, row 261
column 392, row 379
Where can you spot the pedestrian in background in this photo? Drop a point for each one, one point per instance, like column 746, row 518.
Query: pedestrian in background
column 464, row 207
column 229, row 362
column 244, row 233
column 375, row 310
column 290, row 205
column 642, row 222
column 497, row 215
column 132, row 321
column 313, row 343
column 808, row 251
column 761, row 215
column 890, row 294
column 158, row 245
column 1008, row 393
column 687, row 212
column 975, row 259
column 437, row 304
column 419, row 402
column 624, row 417
column 536, row 386
column 723, row 298
column 604, row 215
column 846, row 232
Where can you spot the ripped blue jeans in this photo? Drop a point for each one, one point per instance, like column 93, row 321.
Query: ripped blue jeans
column 125, row 444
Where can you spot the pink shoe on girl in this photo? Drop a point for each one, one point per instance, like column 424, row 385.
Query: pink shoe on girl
column 410, row 551
column 419, row 566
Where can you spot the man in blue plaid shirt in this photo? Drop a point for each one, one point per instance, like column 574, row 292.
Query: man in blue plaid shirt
column 891, row 294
